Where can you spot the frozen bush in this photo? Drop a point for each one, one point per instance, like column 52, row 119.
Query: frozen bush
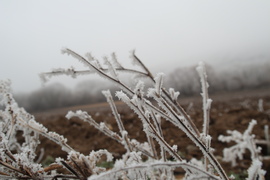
column 146, row 160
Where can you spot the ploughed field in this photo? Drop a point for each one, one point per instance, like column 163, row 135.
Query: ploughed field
column 229, row 111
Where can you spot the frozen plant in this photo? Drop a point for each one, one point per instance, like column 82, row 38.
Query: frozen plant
column 151, row 114
column 244, row 141
column 19, row 158
column 147, row 160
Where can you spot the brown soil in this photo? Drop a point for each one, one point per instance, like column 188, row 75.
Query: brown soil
column 230, row 111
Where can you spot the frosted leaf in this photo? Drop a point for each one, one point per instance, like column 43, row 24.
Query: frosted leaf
column 174, row 147
column 102, row 126
column 145, row 146
column 57, row 137
column 119, row 163
column 111, row 69
column 124, row 133
column 92, row 60
column 135, row 100
column 58, row 160
column 89, row 162
column 69, row 72
column 159, row 82
column 79, row 113
column 174, row 95
column 97, row 154
column 107, row 93
column 151, row 92
column 197, row 162
column 25, row 159
column 76, row 56
column 138, row 103
column 208, row 139
column 139, row 88
column 147, row 114
column 134, row 142
column 122, row 96
column 37, row 126
column 89, row 57
column 97, row 65
column 115, row 62
column 134, row 158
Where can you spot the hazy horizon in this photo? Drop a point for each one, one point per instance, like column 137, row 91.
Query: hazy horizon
column 166, row 35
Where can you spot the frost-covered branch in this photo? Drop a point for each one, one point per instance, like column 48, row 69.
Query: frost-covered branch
column 206, row 108
column 101, row 127
column 121, row 127
column 244, row 141
column 142, row 106
column 197, row 173
column 142, row 160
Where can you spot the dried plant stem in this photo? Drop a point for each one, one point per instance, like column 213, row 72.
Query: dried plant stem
column 11, row 167
column 154, row 131
column 191, row 131
column 184, row 165
column 197, row 141
column 71, row 169
column 169, row 109
column 52, row 167
column 64, row 177
column 174, row 103
column 159, row 130
column 267, row 138
column 63, row 144
column 206, row 108
column 4, row 174
column 118, row 119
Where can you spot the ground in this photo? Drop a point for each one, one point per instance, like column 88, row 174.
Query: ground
column 229, row 111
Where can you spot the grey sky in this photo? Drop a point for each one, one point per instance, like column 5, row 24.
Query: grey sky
column 165, row 34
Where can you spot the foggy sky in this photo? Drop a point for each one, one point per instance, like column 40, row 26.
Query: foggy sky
column 165, row 34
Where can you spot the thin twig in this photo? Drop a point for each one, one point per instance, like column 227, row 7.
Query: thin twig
column 71, row 170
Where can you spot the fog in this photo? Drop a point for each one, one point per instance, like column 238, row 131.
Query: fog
column 165, row 34
column 252, row 76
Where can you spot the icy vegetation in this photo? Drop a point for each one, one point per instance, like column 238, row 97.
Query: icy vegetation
column 153, row 159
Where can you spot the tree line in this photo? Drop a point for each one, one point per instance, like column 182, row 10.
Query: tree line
column 183, row 79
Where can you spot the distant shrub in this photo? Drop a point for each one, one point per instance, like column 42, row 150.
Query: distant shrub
column 57, row 96
column 250, row 76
